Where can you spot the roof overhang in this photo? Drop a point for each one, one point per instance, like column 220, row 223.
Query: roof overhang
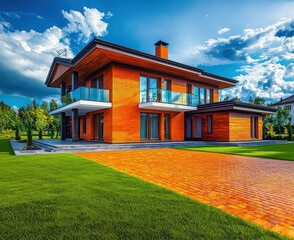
column 234, row 106
column 100, row 53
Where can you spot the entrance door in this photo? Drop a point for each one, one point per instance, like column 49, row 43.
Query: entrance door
column 99, row 125
column 197, row 127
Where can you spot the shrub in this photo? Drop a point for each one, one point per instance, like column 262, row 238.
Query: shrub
column 290, row 132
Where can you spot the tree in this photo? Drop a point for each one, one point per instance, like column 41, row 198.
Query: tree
column 41, row 121
column 17, row 126
column 6, row 117
column 259, row 101
column 53, row 105
column 250, row 100
column 226, row 98
column 290, row 132
column 281, row 119
column 27, row 116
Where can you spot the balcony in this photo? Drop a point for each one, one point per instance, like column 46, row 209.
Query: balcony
column 84, row 99
column 165, row 100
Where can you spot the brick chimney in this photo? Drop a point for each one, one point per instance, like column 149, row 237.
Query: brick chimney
column 161, row 49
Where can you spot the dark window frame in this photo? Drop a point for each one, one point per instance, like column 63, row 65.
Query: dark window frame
column 84, row 125
column 148, row 124
column 254, row 127
column 209, row 119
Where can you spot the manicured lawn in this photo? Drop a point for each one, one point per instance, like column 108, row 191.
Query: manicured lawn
column 277, row 151
column 63, row 196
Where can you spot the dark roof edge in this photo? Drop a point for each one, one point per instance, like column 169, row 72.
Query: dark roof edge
column 230, row 105
column 57, row 60
column 286, row 100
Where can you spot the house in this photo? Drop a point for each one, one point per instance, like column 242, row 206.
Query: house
column 116, row 94
column 287, row 103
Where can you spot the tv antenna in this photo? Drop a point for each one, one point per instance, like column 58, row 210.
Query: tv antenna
column 62, row 52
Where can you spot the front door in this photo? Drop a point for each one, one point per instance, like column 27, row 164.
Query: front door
column 99, row 126
column 197, row 127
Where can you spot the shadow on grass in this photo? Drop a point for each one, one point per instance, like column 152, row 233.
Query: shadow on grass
column 5, row 147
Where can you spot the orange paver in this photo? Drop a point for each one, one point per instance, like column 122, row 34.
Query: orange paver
column 255, row 189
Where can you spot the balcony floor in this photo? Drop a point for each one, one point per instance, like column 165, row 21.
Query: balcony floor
column 166, row 107
column 83, row 106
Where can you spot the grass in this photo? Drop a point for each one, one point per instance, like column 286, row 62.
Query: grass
column 63, row 196
column 277, row 151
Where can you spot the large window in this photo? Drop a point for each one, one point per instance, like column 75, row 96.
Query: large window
column 148, row 89
column 209, row 124
column 208, row 95
column 202, row 96
column 149, row 126
column 98, row 83
column 254, row 127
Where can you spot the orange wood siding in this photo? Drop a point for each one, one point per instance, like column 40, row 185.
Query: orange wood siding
column 240, row 126
column 220, row 130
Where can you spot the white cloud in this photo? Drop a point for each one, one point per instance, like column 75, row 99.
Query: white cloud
column 223, row 30
column 86, row 24
column 30, row 53
column 267, row 56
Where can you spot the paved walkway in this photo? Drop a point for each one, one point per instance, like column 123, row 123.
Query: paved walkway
column 257, row 190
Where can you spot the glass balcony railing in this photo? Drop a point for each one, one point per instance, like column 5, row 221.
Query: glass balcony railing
column 83, row 93
column 166, row 96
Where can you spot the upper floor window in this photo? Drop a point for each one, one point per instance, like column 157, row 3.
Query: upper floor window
column 288, row 107
column 208, row 95
column 148, row 89
column 98, row 83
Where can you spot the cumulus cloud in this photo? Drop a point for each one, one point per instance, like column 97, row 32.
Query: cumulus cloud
column 26, row 56
column 85, row 24
column 223, row 30
column 266, row 55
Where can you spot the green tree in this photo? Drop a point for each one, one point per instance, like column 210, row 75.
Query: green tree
column 6, row 117
column 281, row 119
column 27, row 116
column 17, row 126
column 226, row 98
column 41, row 121
column 250, row 100
column 290, row 132
column 259, row 101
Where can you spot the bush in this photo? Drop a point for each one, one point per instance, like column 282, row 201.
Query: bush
column 290, row 132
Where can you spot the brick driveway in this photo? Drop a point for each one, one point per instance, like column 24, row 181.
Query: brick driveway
column 257, row 190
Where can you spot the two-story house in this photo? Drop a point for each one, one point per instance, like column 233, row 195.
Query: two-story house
column 116, row 94
column 287, row 103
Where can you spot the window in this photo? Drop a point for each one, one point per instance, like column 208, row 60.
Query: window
column 202, row 96
column 254, row 127
column 99, row 126
column 148, row 89
column 209, row 124
column 84, row 125
column 208, row 95
column 166, row 95
column 196, row 94
column 167, row 126
column 149, row 126
column 98, row 83
column 143, row 125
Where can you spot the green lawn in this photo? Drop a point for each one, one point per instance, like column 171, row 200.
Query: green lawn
column 63, row 196
column 277, row 151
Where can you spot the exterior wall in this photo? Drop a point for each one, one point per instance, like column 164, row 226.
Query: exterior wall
column 240, row 126
column 107, row 112
column 221, row 123
column 125, row 111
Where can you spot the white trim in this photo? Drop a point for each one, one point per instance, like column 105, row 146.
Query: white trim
column 166, row 107
column 84, row 105
column 252, row 110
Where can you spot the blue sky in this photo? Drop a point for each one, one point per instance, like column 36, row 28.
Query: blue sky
column 251, row 41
